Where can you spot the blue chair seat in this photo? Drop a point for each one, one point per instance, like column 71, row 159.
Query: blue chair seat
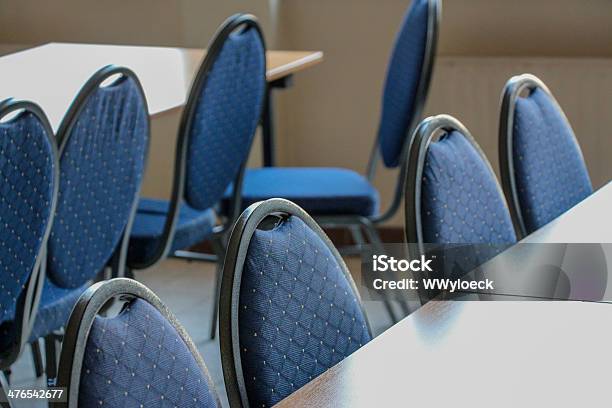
column 193, row 227
column 318, row 190
column 56, row 304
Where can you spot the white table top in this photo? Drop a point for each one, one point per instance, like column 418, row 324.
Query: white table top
column 52, row 74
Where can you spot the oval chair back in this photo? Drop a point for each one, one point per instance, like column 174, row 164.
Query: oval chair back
column 405, row 91
column 289, row 309
column 218, row 124
column 542, row 168
column 29, row 174
column 140, row 357
column 103, row 141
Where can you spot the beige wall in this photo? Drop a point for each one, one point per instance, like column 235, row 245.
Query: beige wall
column 331, row 114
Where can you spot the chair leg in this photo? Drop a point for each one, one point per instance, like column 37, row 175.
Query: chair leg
column 4, row 386
column 215, row 308
column 51, row 359
column 219, row 249
column 37, row 359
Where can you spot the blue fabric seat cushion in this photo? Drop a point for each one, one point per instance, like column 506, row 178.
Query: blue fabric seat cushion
column 193, row 227
column 56, row 304
column 319, row 190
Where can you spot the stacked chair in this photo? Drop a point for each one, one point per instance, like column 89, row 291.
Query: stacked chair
column 542, row 169
column 289, row 309
column 140, row 357
column 29, row 174
column 342, row 197
column 214, row 139
column 103, row 142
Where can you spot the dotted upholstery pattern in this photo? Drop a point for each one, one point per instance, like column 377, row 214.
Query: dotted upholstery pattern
column 461, row 201
column 550, row 173
column 27, row 168
column 401, row 84
column 54, row 309
column 101, row 168
column 137, row 359
column 226, row 117
column 319, row 191
column 298, row 314
column 193, row 227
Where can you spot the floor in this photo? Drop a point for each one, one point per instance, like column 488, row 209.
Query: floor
column 187, row 289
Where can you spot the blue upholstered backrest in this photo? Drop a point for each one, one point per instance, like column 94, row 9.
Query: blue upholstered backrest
column 550, row 173
column 298, row 313
column 101, row 165
column 461, row 201
column 27, row 177
column 403, row 77
column 137, row 359
column 227, row 112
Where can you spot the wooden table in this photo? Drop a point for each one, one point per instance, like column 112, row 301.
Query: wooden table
column 52, row 74
column 566, row 259
column 476, row 354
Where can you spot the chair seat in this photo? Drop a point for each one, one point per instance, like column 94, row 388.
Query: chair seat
column 193, row 227
column 56, row 304
column 318, row 190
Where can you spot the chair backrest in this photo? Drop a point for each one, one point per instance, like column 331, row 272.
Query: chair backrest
column 141, row 356
column 103, row 143
column 541, row 164
column 289, row 309
column 223, row 110
column 408, row 76
column 28, row 192
column 452, row 195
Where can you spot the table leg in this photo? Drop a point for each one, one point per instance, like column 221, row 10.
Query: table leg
column 267, row 120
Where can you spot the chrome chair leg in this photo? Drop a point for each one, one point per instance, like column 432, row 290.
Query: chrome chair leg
column 219, row 249
column 37, row 359
column 4, row 386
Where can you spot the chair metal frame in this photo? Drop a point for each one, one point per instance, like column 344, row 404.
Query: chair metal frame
column 273, row 209
column 82, row 318
column 218, row 238
column 118, row 259
column 27, row 306
column 425, row 134
column 511, row 93
column 369, row 223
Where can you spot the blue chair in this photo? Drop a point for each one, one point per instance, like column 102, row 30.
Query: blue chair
column 103, row 142
column 140, row 357
column 542, row 169
column 289, row 309
column 28, row 193
column 453, row 200
column 342, row 197
column 214, row 139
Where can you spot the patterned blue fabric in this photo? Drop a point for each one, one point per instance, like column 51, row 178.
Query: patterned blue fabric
column 101, row 169
column 403, row 77
column 461, row 202
column 27, row 166
column 193, row 227
column 55, row 307
column 226, row 117
column 551, row 176
column 137, row 359
column 298, row 314
column 320, row 191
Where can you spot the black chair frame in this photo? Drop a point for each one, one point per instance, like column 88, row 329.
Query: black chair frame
column 107, row 76
column 357, row 224
column 85, row 311
column 272, row 210
column 29, row 299
column 513, row 90
column 218, row 240
column 426, row 134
